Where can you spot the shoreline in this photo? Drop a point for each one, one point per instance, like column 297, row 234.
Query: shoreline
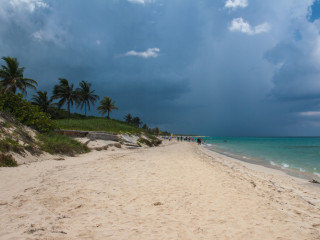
column 257, row 161
column 174, row 191
column 260, row 168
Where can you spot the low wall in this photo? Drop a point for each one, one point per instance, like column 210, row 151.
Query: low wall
column 73, row 133
column 102, row 136
column 89, row 134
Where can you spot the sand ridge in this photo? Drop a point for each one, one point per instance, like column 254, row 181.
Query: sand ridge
column 176, row 191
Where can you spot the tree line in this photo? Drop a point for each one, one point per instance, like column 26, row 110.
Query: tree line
column 64, row 93
column 12, row 79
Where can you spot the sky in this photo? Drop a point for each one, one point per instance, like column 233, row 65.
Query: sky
column 209, row 67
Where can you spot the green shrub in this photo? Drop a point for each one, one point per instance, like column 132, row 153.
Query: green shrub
column 58, row 144
column 7, row 161
column 25, row 112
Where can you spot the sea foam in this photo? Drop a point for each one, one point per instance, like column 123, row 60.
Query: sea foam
column 318, row 174
column 284, row 165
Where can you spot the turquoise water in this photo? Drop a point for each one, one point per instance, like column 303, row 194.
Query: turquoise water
column 300, row 154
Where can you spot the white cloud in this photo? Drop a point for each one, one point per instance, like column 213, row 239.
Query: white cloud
column 239, row 25
column 30, row 5
column 151, row 52
column 309, row 114
column 236, row 3
column 37, row 35
column 46, row 35
column 140, row 1
column 51, row 33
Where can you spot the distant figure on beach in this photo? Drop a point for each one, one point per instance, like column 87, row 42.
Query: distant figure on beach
column 199, row 141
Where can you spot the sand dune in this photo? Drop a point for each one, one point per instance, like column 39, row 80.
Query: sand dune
column 176, row 191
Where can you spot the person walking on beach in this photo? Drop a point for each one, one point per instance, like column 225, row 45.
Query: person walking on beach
column 199, row 141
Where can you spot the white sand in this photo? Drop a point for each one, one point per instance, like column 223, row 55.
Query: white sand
column 176, row 191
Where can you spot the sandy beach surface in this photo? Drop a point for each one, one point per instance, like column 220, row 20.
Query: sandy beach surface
column 175, row 191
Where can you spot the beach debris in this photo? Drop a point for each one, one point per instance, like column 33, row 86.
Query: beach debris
column 78, row 206
column 32, row 229
column 117, row 145
column 28, row 189
column 102, row 148
column 157, row 204
column 311, row 203
column 59, row 159
column 314, row 181
column 253, row 184
column 62, row 232
column 62, row 217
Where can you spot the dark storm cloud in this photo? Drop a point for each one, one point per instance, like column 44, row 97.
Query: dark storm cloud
column 296, row 77
column 203, row 79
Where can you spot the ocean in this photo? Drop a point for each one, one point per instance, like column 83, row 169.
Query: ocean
column 297, row 156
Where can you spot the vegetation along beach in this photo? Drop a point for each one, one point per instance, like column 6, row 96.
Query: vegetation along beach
column 152, row 119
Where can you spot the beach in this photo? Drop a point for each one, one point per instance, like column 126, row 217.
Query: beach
column 174, row 191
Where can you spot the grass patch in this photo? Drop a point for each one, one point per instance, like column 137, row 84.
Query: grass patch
column 10, row 145
column 58, row 144
column 7, row 161
column 97, row 124
column 33, row 150
column 156, row 142
column 153, row 139
column 23, row 135
column 145, row 141
column 7, row 125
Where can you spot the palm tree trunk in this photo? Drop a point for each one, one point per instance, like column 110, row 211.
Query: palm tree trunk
column 85, row 109
column 7, row 87
column 69, row 110
column 108, row 115
column 5, row 90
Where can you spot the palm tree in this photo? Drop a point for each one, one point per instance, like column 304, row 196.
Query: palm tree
column 106, row 106
column 41, row 99
column 128, row 118
column 156, row 130
column 136, row 121
column 86, row 96
column 12, row 77
column 65, row 93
